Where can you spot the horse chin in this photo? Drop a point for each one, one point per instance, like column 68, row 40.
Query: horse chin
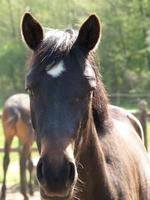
column 45, row 196
column 56, row 198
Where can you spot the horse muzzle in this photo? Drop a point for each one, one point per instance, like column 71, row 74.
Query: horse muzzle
column 56, row 178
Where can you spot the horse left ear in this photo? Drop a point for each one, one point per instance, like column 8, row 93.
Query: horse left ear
column 32, row 31
column 89, row 33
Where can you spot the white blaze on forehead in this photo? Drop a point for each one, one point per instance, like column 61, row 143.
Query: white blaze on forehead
column 56, row 70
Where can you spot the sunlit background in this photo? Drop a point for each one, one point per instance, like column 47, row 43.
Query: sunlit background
column 123, row 54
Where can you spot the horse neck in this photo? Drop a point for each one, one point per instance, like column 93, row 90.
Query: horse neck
column 94, row 172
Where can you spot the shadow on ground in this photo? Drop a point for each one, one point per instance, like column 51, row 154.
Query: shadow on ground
column 13, row 193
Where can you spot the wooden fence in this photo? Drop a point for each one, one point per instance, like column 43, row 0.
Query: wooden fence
column 17, row 150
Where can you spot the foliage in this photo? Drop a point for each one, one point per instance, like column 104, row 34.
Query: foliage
column 124, row 50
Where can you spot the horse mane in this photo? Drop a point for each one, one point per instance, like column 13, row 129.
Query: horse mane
column 100, row 100
column 55, row 48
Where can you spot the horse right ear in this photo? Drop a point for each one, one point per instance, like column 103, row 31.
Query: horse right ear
column 32, row 31
column 89, row 33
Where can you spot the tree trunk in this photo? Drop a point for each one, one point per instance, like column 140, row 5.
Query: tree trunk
column 11, row 17
column 143, row 18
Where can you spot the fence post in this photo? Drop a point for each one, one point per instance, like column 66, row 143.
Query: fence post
column 142, row 104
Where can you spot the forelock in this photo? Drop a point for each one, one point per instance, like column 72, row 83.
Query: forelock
column 59, row 39
column 56, row 44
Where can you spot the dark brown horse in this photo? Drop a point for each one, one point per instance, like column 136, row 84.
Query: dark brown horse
column 89, row 150
column 16, row 121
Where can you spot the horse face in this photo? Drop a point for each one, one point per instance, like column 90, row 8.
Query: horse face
column 60, row 84
column 60, row 108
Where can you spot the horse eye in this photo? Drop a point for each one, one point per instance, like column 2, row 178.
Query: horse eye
column 30, row 92
column 84, row 97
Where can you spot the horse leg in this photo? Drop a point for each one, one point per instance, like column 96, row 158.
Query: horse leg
column 6, row 161
column 30, row 169
column 23, row 178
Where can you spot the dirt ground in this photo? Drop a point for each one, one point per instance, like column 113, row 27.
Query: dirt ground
column 13, row 193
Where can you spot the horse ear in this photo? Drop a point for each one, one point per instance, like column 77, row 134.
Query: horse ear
column 32, row 31
column 89, row 33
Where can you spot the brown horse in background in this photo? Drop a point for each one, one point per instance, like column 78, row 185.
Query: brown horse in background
column 16, row 121
column 89, row 149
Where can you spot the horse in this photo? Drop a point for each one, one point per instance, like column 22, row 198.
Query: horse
column 16, row 121
column 89, row 149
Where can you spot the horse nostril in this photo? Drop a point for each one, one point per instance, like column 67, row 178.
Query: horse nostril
column 40, row 171
column 71, row 172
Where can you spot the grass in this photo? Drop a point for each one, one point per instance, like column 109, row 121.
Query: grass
column 13, row 170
